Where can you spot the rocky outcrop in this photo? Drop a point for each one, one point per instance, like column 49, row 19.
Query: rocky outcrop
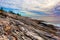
column 14, row 27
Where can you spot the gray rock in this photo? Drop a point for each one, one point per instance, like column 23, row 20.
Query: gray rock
column 14, row 27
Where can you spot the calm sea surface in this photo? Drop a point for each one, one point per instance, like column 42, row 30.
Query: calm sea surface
column 50, row 19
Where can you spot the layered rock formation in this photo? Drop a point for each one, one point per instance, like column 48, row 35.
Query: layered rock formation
column 14, row 27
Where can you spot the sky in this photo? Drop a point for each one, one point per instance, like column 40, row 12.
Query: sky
column 48, row 10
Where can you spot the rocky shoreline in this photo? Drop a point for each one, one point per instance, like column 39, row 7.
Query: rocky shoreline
column 14, row 27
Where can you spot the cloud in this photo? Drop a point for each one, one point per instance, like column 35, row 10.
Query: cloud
column 29, row 14
column 11, row 3
column 38, row 9
column 38, row 6
column 57, row 10
column 41, row 5
column 37, row 12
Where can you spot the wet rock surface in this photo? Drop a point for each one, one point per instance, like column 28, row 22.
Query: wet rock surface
column 14, row 27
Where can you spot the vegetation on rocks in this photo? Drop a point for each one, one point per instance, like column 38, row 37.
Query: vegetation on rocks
column 1, row 10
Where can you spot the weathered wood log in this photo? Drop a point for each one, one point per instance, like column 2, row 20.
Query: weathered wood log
column 14, row 27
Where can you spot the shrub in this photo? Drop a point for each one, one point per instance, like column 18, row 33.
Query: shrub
column 11, row 12
column 18, row 14
column 1, row 9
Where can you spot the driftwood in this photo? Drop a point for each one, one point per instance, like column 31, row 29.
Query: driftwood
column 14, row 27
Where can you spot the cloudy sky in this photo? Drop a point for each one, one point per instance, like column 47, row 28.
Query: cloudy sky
column 39, row 9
